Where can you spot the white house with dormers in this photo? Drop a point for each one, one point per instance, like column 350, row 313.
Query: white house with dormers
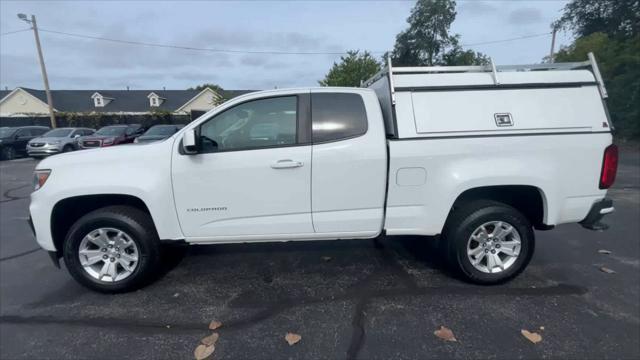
column 31, row 102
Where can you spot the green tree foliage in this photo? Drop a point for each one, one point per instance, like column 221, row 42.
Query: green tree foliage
column 351, row 70
column 213, row 87
column 616, row 18
column 609, row 29
column 428, row 42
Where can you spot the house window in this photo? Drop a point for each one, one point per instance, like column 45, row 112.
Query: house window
column 154, row 101
column 98, row 101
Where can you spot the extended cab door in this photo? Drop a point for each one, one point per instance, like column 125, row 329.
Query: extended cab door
column 252, row 177
column 349, row 166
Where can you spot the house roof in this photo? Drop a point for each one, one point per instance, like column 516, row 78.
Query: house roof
column 123, row 100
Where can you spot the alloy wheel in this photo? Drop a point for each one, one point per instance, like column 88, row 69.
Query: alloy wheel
column 108, row 254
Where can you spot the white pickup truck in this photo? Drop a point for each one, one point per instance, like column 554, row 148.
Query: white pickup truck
column 475, row 156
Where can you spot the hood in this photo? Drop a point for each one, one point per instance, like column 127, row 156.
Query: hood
column 152, row 137
column 104, row 157
column 48, row 139
column 99, row 137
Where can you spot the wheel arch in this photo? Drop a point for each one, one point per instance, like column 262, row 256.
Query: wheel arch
column 68, row 210
column 530, row 200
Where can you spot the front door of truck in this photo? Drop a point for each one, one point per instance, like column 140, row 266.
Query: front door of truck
column 252, row 177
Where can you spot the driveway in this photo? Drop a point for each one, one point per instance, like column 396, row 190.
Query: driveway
column 362, row 299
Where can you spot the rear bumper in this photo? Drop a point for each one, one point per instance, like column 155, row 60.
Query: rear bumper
column 598, row 210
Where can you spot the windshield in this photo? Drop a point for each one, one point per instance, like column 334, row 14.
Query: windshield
column 58, row 133
column 111, row 130
column 161, row 130
column 4, row 132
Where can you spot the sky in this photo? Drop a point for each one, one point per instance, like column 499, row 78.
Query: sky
column 328, row 26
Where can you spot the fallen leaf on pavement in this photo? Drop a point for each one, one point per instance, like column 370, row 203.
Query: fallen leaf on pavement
column 203, row 351
column 607, row 270
column 292, row 338
column 326, row 258
column 445, row 334
column 531, row 336
column 606, row 252
column 210, row 340
column 541, row 327
column 215, row 324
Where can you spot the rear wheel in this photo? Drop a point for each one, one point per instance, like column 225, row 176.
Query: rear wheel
column 113, row 249
column 67, row 148
column 8, row 153
column 488, row 242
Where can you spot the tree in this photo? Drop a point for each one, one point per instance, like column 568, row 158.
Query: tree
column 427, row 41
column 213, row 87
column 351, row 70
column 609, row 29
column 615, row 18
column 619, row 63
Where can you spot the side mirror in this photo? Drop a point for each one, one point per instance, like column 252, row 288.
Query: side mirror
column 190, row 142
column 76, row 136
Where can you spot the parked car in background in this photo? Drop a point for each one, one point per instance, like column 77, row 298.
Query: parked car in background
column 13, row 140
column 158, row 132
column 111, row 135
column 56, row 141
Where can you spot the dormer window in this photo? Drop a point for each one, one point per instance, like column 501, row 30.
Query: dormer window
column 155, row 100
column 100, row 100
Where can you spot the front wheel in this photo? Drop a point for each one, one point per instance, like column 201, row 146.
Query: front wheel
column 8, row 153
column 113, row 249
column 488, row 242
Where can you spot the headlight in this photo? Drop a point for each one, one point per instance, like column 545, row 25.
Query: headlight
column 39, row 178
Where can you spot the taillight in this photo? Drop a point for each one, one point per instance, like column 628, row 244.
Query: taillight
column 609, row 167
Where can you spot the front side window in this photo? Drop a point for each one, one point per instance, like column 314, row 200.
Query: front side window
column 337, row 116
column 254, row 124
column 24, row 132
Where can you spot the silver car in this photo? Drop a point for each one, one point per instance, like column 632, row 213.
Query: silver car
column 56, row 141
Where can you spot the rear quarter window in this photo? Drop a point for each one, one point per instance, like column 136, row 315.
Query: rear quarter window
column 337, row 116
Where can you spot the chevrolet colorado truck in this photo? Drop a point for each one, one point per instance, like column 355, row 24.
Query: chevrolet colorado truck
column 476, row 157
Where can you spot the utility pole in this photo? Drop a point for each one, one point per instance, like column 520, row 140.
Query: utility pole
column 553, row 44
column 43, row 69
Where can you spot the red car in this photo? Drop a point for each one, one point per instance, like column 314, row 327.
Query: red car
column 111, row 135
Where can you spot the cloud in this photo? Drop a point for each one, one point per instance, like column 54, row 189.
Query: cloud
column 477, row 8
column 525, row 15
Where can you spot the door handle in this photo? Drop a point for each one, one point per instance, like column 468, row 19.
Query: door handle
column 286, row 164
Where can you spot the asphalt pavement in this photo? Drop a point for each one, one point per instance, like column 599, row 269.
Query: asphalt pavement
column 364, row 299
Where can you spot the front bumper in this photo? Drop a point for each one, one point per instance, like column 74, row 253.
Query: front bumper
column 43, row 150
column 598, row 210
column 54, row 255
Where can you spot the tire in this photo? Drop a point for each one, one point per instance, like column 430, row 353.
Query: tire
column 8, row 153
column 467, row 220
column 67, row 148
column 136, row 226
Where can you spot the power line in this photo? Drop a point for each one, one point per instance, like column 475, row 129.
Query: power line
column 14, row 32
column 262, row 52
column 507, row 40
column 181, row 47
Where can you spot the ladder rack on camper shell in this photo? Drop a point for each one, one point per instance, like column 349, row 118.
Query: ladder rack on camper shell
column 383, row 82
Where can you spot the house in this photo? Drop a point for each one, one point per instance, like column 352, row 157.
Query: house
column 25, row 102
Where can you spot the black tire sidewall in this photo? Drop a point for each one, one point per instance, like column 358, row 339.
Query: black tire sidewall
column 8, row 153
column 467, row 226
column 67, row 148
column 147, row 248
